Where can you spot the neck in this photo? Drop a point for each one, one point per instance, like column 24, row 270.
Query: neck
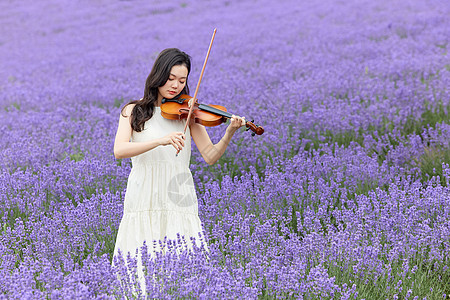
column 159, row 100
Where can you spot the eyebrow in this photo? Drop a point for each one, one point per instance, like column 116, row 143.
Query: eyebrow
column 176, row 76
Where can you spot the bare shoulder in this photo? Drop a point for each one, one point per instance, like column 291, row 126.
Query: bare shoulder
column 127, row 110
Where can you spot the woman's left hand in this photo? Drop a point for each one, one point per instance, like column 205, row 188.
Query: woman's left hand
column 236, row 122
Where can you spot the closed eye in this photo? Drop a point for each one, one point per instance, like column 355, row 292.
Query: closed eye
column 173, row 76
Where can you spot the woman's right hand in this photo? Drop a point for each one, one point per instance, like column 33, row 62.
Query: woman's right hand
column 176, row 139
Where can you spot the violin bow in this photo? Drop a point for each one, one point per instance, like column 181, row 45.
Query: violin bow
column 198, row 84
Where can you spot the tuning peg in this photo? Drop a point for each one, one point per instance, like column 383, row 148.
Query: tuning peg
column 253, row 134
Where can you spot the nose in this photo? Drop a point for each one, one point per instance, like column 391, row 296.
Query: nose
column 175, row 84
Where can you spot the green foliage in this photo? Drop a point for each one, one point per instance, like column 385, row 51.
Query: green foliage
column 431, row 163
column 423, row 279
column 78, row 156
column 118, row 102
column 14, row 106
column 429, row 118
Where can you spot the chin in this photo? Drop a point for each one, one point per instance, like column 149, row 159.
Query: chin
column 169, row 96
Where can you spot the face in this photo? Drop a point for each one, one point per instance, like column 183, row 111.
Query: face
column 175, row 84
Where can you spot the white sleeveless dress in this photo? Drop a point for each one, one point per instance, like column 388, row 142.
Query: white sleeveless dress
column 160, row 199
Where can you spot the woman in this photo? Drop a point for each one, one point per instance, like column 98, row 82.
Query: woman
column 160, row 200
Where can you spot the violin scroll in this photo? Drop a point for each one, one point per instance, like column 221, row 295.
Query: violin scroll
column 255, row 128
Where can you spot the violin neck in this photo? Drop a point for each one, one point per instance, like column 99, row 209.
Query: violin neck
column 214, row 110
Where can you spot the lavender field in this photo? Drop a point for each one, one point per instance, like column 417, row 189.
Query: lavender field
column 345, row 196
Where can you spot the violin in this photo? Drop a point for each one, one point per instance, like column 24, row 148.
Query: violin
column 206, row 115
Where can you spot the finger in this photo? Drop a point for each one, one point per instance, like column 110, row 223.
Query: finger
column 178, row 147
column 179, row 142
column 178, row 135
column 176, row 143
column 175, row 146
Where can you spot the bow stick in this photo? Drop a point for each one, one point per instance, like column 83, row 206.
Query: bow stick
column 198, row 84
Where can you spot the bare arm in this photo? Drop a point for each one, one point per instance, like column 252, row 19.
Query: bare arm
column 123, row 148
column 211, row 153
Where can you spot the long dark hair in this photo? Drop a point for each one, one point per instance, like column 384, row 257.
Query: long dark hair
column 144, row 108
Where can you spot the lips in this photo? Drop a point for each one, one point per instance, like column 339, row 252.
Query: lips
column 172, row 92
